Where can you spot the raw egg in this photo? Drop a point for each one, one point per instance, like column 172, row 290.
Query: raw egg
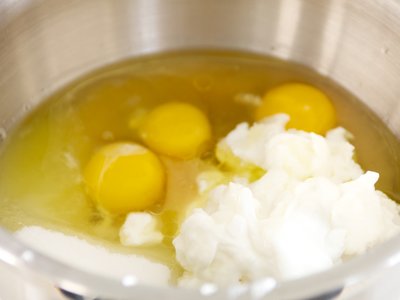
column 125, row 177
column 308, row 107
column 176, row 129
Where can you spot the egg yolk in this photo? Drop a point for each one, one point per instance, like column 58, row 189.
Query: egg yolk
column 309, row 108
column 176, row 129
column 125, row 177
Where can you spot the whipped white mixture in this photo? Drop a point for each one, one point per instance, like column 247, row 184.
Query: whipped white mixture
column 313, row 207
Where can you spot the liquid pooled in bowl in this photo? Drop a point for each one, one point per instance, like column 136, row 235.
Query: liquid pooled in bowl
column 146, row 136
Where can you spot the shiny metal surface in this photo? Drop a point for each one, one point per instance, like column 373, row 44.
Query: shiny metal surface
column 46, row 43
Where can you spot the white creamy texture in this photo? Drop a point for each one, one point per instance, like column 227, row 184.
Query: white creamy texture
column 301, row 154
column 314, row 206
column 140, row 229
column 78, row 253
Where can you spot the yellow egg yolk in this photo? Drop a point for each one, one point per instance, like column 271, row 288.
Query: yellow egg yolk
column 176, row 129
column 125, row 177
column 309, row 108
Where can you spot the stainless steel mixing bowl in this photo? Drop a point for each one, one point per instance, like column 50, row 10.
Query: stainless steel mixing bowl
column 46, row 43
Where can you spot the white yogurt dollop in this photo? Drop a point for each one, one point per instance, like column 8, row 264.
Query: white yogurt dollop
column 140, row 229
column 312, row 208
column 301, row 154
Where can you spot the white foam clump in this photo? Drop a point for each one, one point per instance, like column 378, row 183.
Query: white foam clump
column 312, row 208
column 82, row 255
